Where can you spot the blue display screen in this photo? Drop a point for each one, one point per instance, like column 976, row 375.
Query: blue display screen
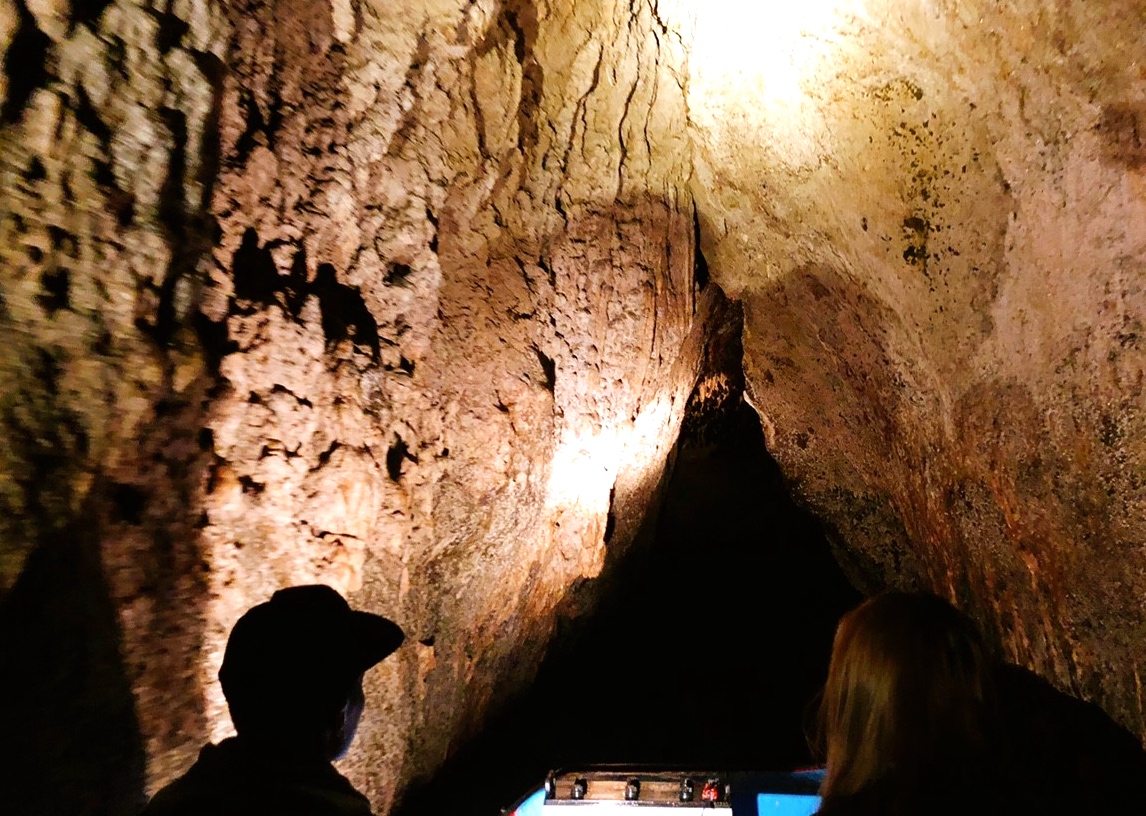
column 532, row 805
column 786, row 804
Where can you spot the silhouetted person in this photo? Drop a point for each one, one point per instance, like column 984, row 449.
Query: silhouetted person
column 1070, row 756
column 910, row 717
column 292, row 676
column 916, row 719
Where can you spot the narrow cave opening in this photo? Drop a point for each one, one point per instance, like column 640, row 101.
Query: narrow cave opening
column 707, row 649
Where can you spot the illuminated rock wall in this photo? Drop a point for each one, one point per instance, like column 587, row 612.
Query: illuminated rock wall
column 395, row 296
column 935, row 214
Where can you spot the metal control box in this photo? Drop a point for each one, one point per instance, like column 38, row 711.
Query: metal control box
column 639, row 792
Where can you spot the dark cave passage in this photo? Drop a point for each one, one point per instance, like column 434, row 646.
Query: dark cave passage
column 707, row 653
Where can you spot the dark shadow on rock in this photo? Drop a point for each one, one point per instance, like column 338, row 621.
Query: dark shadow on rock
column 705, row 650
column 68, row 729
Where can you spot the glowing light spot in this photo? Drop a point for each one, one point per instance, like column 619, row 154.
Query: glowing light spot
column 753, row 65
column 582, row 468
column 773, row 42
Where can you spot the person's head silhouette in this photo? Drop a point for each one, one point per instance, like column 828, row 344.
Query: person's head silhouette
column 909, row 709
column 292, row 671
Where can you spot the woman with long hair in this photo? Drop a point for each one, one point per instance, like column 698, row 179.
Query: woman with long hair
column 909, row 718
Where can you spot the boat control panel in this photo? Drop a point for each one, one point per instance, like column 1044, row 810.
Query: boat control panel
column 632, row 792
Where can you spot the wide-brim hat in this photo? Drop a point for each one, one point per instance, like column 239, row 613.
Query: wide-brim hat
column 302, row 636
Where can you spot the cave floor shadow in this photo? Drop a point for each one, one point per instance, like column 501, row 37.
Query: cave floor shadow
column 706, row 651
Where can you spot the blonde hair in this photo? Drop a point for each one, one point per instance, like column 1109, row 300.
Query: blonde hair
column 908, row 697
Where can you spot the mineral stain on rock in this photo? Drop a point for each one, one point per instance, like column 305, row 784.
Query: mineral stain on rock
column 916, row 229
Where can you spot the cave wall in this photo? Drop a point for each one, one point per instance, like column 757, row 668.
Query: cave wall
column 394, row 296
column 935, row 215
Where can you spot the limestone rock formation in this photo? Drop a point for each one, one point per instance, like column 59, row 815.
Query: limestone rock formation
column 935, row 216
column 394, row 296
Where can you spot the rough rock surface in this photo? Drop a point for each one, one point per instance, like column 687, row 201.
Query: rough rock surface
column 935, row 216
column 394, row 296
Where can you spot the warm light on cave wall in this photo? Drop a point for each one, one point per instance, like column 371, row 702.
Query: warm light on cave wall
column 581, row 477
column 585, row 470
column 758, row 70
column 772, row 44
column 759, row 56
column 583, row 466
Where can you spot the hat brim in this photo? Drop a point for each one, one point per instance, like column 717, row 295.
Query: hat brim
column 374, row 637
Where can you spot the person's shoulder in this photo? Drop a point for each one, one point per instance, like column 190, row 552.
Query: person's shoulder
column 854, row 805
column 927, row 798
column 182, row 799
column 183, row 795
column 230, row 779
column 331, row 793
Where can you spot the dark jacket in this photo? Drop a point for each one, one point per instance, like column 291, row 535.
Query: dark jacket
column 932, row 800
column 229, row 779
